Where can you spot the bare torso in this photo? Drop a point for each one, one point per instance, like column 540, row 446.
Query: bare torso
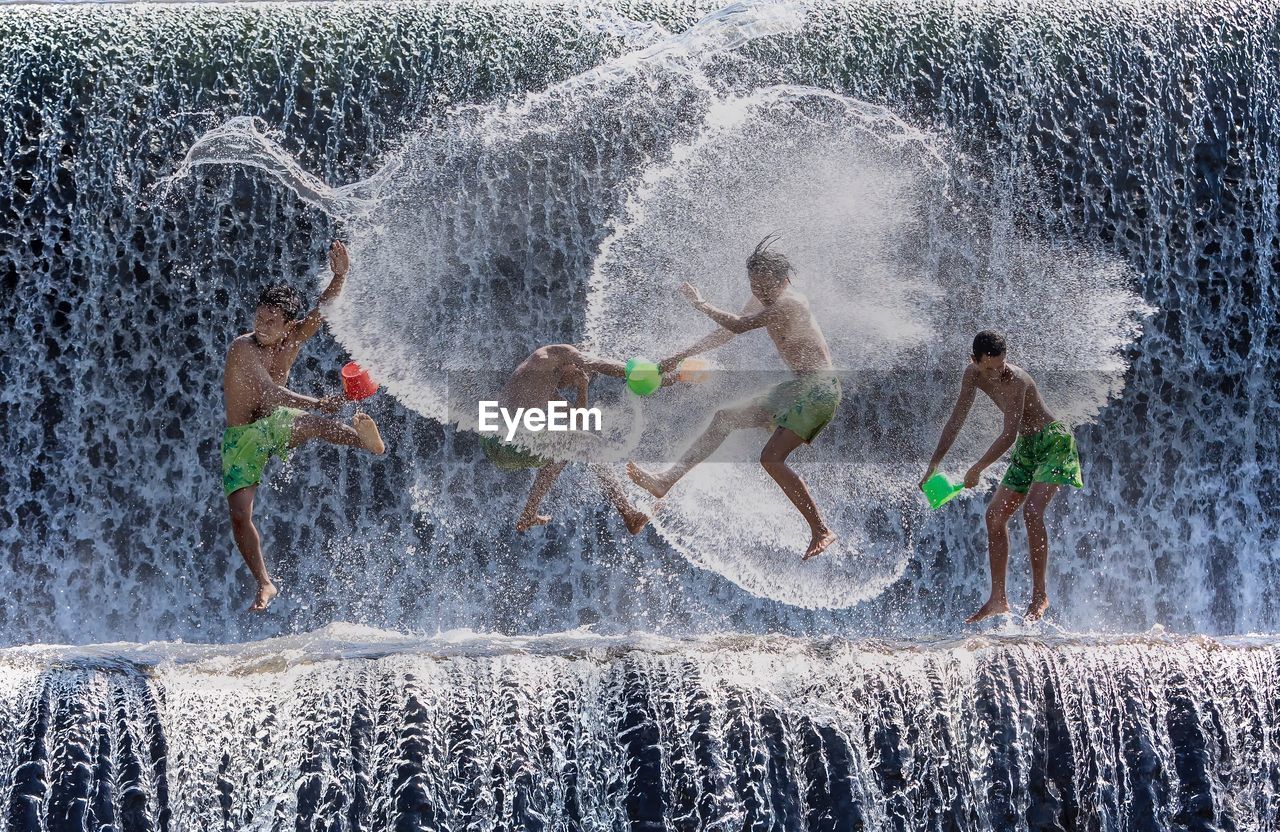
column 244, row 398
column 536, row 380
column 797, row 336
column 1006, row 393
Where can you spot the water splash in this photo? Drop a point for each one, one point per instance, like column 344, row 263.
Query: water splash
column 245, row 141
column 436, row 306
column 864, row 203
column 426, row 315
column 1138, row 131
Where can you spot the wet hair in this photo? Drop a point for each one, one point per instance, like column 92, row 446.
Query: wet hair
column 988, row 342
column 770, row 262
column 283, row 297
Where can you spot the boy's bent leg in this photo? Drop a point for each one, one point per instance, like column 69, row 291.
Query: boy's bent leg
column 724, row 422
column 361, row 433
column 774, row 460
column 632, row 516
column 542, row 483
column 1038, row 498
column 249, row 543
column 1002, row 506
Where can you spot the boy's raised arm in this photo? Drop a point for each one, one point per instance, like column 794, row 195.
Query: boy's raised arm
column 714, row 340
column 707, row 343
column 339, row 263
column 603, row 366
column 753, row 316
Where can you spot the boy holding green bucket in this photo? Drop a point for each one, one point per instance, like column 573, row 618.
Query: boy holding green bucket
column 1044, row 458
column 533, row 384
column 795, row 410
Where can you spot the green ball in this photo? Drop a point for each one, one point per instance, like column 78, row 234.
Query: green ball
column 642, row 376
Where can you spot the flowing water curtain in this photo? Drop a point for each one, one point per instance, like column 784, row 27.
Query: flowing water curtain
column 1136, row 130
column 1157, row 733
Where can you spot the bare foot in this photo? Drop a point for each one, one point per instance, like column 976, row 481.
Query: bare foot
column 1038, row 606
column 821, row 540
column 368, row 432
column 655, row 485
column 635, row 520
column 992, row 607
column 526, row 523
column 266, row 593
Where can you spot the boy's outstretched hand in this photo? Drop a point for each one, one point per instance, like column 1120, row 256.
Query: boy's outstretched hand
column 972, row 477
column 339, row 262
column 691, row 293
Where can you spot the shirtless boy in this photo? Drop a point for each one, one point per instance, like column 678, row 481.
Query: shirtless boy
column 533, row 384
column 1044, row 458
column 796, row 410
column 265, row 418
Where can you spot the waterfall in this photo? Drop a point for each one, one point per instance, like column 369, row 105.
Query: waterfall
column 351, row 729
column 1046, row 163
column 1138, row 134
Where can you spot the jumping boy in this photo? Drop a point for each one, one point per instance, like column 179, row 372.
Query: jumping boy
column 533, row 384
column 1044, row 458
column 265, row 418
column 796, row 410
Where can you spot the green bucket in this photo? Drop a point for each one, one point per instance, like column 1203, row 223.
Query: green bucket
column 642, row 376
column 939, row 491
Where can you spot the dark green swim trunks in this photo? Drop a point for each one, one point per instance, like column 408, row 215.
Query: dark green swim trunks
column 509, row 457
column 803, row 405
column 1049, row 456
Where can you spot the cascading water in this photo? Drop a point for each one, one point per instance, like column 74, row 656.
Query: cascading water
column 511, row 175
column 347, row 729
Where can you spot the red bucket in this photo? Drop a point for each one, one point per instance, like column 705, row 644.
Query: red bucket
column 356, row 382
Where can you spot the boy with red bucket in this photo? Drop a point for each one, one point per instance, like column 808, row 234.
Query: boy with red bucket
column 265, row 418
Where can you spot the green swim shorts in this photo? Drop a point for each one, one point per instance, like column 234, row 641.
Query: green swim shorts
column 509, row 457
column 1049, row 456
column 246, row 449
column 804, row 405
